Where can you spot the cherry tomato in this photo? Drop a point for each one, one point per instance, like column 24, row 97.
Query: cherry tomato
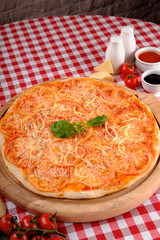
column 47, row 221
column 38, row 238
column 18, row 236
column 127, row 68
column 7, row 221
column 29, row 221
column 131, row 81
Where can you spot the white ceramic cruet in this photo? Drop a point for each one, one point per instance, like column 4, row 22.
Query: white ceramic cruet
column 129, row 42
column 115, row 52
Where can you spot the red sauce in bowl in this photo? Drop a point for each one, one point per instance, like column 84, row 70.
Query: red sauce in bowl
column 149, row 57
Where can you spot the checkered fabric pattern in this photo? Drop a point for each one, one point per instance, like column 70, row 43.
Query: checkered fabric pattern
column 38, row 50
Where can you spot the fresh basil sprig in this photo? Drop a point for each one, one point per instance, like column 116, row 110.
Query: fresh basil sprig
column 79, row 127
column 65, row 129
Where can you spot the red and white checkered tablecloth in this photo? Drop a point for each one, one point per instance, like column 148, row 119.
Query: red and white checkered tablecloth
column 37, row 50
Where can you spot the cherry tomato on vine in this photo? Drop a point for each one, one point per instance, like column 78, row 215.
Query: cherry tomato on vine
column 131, row 81
column 127, row 68
column 7, row 221
column 47, row 221
column 18, row 236
column 29, row 221
column 38, row 238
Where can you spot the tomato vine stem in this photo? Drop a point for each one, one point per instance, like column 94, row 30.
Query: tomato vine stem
column 44, row 231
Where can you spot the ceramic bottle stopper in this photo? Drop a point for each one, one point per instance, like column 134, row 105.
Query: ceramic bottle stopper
column 129, row 43
column 115, row 52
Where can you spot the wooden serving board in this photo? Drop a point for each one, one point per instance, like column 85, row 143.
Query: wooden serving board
column 83, row 210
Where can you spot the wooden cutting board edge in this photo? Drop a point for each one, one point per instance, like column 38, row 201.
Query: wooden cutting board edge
column 88, row 210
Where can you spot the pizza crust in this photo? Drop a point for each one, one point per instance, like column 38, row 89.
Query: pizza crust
column 132, row 181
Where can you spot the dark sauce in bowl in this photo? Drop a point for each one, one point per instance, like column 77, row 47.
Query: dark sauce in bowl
column 153, row 79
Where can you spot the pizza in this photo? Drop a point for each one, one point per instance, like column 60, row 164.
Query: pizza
column 94, row 159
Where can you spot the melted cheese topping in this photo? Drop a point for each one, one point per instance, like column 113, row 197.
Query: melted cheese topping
column 99, row 157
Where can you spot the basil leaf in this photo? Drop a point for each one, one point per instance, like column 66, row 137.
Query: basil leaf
column 96, row 121
column 62, row 129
